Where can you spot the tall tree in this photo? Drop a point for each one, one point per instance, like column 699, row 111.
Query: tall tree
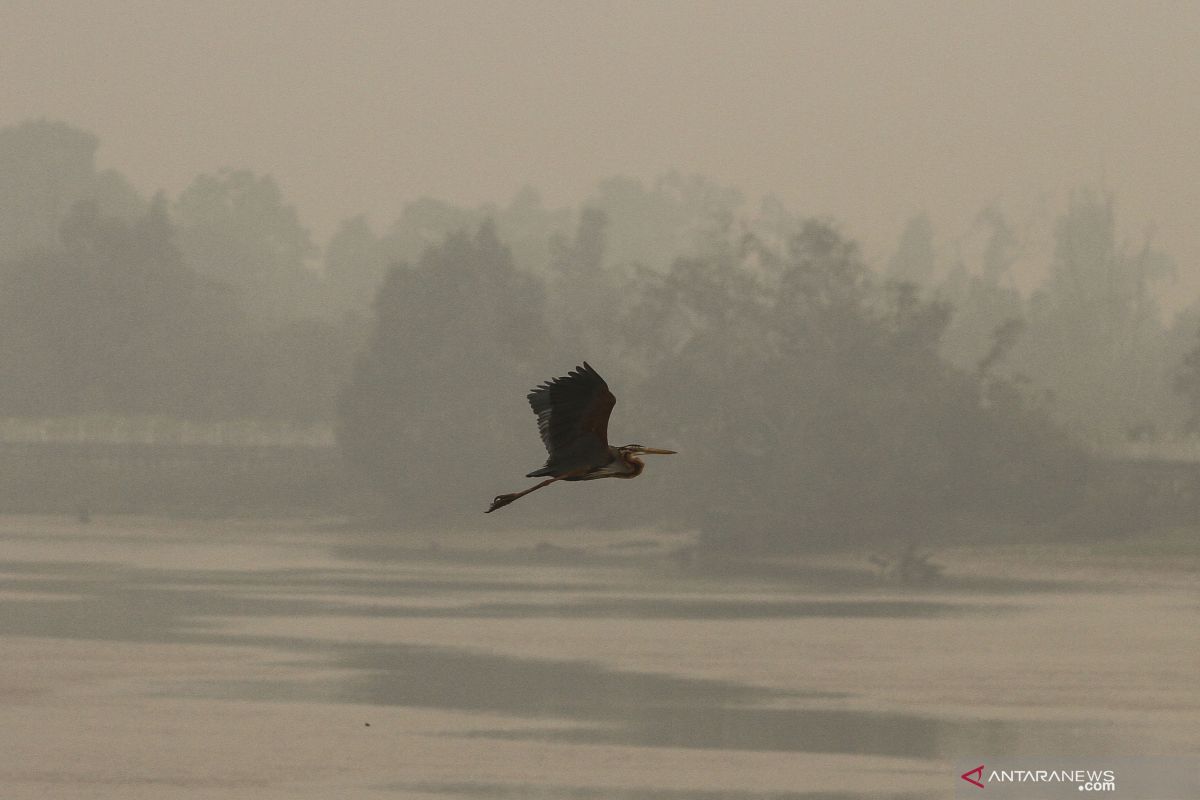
column 235, row 226
column 355, row 264
column 984, row 298
column 525, row 225
column 1187, row 384
column 914, row 259
column 587, row 312
column 114, row 321
column 1094, row 333
column 451, row 335
column 46, row 168
column 818, row 406
column 654, row 224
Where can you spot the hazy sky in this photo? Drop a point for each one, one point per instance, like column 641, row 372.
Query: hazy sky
column 865, row 111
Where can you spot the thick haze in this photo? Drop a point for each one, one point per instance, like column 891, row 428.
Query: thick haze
column 875, row 274
column 868, row 112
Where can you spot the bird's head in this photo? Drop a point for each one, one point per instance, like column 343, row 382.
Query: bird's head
column 641, row 449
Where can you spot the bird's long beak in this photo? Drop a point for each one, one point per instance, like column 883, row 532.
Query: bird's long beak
column 654, row 451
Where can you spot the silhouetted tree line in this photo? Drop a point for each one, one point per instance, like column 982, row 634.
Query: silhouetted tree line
column 1091, row 336
column 812, row 399
column 205, row 308
column 809, row 400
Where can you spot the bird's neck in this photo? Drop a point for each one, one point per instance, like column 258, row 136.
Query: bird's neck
column 633, row 464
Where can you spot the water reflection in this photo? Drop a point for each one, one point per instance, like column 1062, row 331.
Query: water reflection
column 647, row 710
column 602, row 705
column 497, row 791
column 105, row 601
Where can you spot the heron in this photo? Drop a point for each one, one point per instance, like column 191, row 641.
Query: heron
column 572, row 417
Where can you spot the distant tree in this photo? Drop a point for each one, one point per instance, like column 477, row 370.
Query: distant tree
column 586, row 309
column 585, row 254
column 355, row 263
column 914, row 259
column 528, row 227
column 1004, row 338
column 985, row 298
column 236, row 227
column 818, row 408
column 525, row 225
column 46, row 168
column 1094, row 333
column 450, row 336
column 114, row 321
column 773, row 225
column 426, row 223
column 672, row 217
column 1003, row 246
column 1187, row 385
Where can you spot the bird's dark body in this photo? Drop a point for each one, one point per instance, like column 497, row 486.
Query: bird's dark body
column 572, row 416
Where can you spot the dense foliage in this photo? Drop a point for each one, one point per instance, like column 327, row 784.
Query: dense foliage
column 812, row 397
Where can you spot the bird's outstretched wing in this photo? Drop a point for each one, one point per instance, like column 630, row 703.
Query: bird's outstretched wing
column 572, row 416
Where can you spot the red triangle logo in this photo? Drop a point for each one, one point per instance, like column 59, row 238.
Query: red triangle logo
column 977, row 772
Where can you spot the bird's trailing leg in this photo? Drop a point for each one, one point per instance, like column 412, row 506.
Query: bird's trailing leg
column 501, row 500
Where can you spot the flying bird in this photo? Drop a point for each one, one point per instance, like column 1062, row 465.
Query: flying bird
column 572, row 417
